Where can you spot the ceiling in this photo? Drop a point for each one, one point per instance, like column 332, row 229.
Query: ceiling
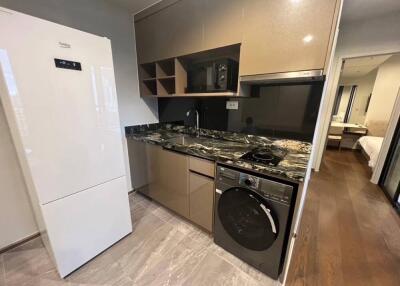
column 353, row 10
column 359, row 67
column 134, row 6
column 356, row 10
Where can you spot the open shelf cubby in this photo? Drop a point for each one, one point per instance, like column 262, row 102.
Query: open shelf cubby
column 148, row 71
column 149, row 87
column 165, row 86
column 165, row 68
column 168, row 77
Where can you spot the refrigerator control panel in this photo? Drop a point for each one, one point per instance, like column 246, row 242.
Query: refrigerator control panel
column 64, row 64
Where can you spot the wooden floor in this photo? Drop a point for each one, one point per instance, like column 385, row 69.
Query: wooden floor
column 350, row 234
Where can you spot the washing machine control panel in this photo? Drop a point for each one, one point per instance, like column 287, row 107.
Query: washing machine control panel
column 267, row 188
column 249, row 181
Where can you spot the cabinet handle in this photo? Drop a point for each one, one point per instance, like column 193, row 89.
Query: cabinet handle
column 200, row 174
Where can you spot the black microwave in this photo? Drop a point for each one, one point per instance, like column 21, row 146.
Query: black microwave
column 213, row 76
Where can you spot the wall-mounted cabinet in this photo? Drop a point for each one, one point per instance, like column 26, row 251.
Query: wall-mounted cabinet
column 188, row 26
column 275, row 36
column 157, row 78
column 286, row 36
column 169, row 77
column 222, row 23
column 175, row 30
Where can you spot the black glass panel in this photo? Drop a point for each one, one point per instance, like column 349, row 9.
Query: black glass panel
column 244, row 219
column 285, row 111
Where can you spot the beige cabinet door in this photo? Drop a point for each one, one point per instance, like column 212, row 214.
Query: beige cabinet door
column 173, row 31
column 223, row 23
column 201, row 200
column 168, row 179
column 282, row 36
column 154, row 187
column 146, row 40
column 138, row 163
column 183, row 28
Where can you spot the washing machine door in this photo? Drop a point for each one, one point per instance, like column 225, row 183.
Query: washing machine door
column 247, row 218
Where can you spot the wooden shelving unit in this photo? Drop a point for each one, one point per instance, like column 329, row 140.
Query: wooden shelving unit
column 148, row 71
column 149, row 87
column 165, row 68
column 165, row 86
column 168, row 77
column 205, row 94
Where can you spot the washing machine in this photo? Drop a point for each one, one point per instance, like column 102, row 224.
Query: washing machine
column 252, row 217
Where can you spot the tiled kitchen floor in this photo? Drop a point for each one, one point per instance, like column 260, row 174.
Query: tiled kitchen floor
column 164, row 249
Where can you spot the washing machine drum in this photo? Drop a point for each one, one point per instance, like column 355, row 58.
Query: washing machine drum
column 247, row 218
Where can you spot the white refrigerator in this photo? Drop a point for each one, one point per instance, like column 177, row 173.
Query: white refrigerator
column 58, row 90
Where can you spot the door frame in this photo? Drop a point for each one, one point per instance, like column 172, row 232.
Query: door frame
column 389, row 135
column 325, row 117
column 386, row 165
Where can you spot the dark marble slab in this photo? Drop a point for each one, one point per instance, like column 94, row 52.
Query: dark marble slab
column 227, row 147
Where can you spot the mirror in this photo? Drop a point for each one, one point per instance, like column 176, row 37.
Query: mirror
column 345, row 99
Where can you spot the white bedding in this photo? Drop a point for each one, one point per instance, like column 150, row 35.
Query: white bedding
column 371, row 145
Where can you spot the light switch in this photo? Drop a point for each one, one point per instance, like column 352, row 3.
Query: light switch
column 232, row 105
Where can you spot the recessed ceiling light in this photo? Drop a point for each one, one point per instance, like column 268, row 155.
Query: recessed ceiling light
column 308, row 38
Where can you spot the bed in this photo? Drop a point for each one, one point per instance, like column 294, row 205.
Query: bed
column 371, row 146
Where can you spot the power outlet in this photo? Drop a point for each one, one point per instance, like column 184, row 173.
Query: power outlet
column 233, row 105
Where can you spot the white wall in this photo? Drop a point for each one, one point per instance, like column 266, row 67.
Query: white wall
column 385, row 91
column 16, row 219
column 367, row 37
column 100, row 18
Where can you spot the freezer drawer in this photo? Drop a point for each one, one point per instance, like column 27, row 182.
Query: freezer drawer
column 84, row 224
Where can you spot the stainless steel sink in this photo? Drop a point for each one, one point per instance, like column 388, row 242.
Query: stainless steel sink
column 223, row 146
column 186, row 140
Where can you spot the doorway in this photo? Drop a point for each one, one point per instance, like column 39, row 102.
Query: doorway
column 363, row 108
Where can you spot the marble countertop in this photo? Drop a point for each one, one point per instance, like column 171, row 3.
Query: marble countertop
column 227, row 147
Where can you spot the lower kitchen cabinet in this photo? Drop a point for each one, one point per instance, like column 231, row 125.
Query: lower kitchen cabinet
column 182, row 183
column 168, row 179
column 201, row 190
column 138, row 163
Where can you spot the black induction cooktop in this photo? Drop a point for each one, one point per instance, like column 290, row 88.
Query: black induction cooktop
column 265, row 155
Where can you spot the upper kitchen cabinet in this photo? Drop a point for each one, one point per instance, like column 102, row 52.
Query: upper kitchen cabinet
column 273, row 37
column 223, row 23
column 170, row 32
column 147, row 42
column 287, row 35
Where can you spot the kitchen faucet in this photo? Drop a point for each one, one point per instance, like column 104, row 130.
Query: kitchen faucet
column 197, row 119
